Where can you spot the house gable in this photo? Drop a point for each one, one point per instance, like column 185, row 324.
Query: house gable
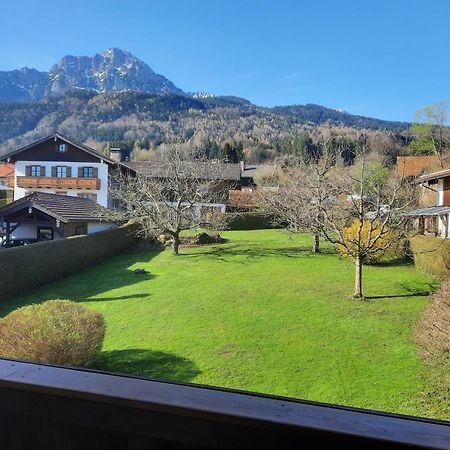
column 47, row 150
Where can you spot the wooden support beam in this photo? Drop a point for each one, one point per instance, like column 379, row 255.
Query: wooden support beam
column 444, row 218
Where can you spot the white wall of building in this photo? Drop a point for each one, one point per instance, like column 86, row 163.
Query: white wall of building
column 102, row 193
column 97, row 227
column 440, row 193
column 29, row 231
column 440, row 202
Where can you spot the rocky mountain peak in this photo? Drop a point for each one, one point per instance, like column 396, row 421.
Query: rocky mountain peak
column 111, row 70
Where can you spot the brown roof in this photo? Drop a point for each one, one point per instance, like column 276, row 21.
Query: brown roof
column 243, row 198
column 6, row 170
column 62, row 207
column 207, row 170
column 412, row 166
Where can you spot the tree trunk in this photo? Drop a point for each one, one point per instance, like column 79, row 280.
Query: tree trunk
column 175, row 243
column 316, row 243
column 358, row 278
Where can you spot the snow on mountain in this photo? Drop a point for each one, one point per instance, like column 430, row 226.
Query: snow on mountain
column 112, row 70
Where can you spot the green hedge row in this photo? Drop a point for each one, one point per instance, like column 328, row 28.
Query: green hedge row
column 26, row 268
column 432, row 255
column 249, row 221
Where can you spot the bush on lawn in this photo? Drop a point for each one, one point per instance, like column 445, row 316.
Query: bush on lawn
column 26, row 268
column 433, row 330
column 54, row 332
column 431, row 254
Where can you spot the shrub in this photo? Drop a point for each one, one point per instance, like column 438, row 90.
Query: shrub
column 431, row 254
column 54, row 332
column 433, row 330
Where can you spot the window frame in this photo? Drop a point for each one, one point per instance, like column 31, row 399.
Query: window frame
column 35, row 171
column 87, row 170
column 52, row 231
column 61, row 148
column 61, row 169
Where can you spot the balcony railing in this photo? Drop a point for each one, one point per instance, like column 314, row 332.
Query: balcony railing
column 54, row 408
column 58, row 183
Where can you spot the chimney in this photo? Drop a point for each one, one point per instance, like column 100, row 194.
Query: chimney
column 116, row 154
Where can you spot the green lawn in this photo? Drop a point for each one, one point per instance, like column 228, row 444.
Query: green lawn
column 261, row 313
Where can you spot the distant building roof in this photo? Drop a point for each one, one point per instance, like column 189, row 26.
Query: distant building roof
column 254, row 170
column 208, row 170
column 434, row 176
column 431, row 211
column 6, row 170
column 243, row 198
column 412, row 166
column 62, row 207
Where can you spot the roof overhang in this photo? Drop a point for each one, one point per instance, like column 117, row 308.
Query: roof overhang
column 27, row 205
column 431, row 211
column 434, row 176
column 63, row 138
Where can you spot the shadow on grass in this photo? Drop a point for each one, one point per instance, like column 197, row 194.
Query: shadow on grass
column 98, row 280
column 148, row 363
column 258, row 252
column 413, row 290
column 415, row 294
column 393, row 263
column 107, row 299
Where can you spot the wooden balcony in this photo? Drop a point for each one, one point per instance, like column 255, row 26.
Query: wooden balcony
column 55, row 408
column 58, row 183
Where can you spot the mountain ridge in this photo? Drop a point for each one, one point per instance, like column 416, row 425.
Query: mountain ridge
column 111, row 70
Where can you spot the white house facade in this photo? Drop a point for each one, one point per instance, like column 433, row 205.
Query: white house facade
column 58, row 165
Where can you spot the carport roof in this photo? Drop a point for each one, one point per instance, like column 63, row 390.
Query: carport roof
column 62, row 207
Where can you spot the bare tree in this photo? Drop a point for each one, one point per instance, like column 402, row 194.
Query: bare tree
column 294, row 200
column 431, row 130
column 171, row 195
column 362, row 213
column 291, row 204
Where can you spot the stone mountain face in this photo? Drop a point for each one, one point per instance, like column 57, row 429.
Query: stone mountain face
column 112, row 70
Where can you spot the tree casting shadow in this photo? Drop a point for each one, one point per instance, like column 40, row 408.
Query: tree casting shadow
column 148, row 363
column 259, row 252
column 413, row 290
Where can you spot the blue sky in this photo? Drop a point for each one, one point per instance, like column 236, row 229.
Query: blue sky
column 377, row 58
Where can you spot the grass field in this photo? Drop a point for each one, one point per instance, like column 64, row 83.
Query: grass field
column 261, row 313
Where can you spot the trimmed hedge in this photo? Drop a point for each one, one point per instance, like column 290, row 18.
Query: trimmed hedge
column 31, row 266
column 431, row 254
column 54, row 332
column 249, row 221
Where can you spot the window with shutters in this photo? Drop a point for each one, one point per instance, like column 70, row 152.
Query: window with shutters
column 88, row 172
column 61, row 171
column 35, row 171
